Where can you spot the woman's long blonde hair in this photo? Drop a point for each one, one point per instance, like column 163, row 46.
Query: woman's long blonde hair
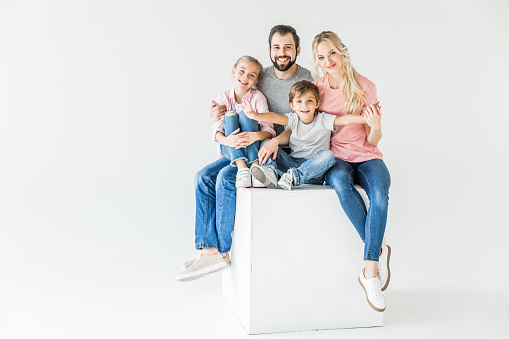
column 354, row 96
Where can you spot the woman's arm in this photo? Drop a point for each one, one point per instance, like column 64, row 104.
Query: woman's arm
column 373, row 116
column 265, row 117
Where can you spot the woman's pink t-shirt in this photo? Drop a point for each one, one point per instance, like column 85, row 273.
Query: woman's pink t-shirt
column 348, row 143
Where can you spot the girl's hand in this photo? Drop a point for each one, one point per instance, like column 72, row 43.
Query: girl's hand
column 247, row 138
column 233, row 140
column 373, row 116
column 248, row 110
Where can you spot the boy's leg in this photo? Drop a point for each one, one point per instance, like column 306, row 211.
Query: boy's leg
column 312, row 171
column 231, row 123
column 250, row 125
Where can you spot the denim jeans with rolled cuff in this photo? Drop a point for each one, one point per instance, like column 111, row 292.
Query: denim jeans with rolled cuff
column 310, row 171
column 232, row 121
column 375, row 179
column 215, row 205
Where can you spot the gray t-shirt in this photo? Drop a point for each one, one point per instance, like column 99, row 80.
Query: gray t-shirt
column 276, row 90
column 308, row 139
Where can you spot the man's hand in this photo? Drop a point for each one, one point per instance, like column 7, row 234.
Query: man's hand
column 269, row 148
column 216, row 111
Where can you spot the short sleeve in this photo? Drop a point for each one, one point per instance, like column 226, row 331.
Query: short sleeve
column 328, row 121
column 293, row 119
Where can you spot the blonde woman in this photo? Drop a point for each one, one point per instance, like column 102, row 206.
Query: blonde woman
column 358, row 159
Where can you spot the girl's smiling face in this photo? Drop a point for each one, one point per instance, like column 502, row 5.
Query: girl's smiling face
column 305, row 106
column 245, row 75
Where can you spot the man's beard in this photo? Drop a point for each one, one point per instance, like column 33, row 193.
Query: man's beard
column 283, row 68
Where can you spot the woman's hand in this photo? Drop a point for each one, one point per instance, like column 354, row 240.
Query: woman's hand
column 373, row 116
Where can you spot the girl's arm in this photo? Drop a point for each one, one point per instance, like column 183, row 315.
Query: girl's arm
column 373, row 116
column 265, row 117
column 349, row 119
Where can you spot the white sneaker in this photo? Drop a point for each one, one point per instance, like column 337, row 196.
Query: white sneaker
column 256, row 182
column 205, row 264
column 243, row 178
column 374, row 294
column 384, row 272
column 264, row 175
column 189, row 263
column 287, row 180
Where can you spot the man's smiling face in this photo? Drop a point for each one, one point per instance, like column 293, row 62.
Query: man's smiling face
column 283, row 53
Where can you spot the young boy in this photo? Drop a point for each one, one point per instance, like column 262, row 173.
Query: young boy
column 309, row 142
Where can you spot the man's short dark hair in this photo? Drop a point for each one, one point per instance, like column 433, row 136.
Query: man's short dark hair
column 284, row 30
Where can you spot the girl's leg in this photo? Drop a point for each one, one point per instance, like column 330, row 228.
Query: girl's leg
column 375, row 179
column 312, row 171
column 231, row 123
column 341, row 177
column 250, row 125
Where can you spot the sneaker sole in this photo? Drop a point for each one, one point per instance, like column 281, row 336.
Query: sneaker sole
column 367, row 299
column 203, row 272
column 259, row 174
column 285, row 186
column 388, row 268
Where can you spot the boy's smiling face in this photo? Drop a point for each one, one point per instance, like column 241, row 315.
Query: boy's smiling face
column 305, row 106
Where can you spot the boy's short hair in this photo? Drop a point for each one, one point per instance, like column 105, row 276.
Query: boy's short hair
column 253, row 60
column 304, row 86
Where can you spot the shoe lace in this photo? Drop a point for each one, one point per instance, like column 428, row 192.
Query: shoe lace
column 376, row 287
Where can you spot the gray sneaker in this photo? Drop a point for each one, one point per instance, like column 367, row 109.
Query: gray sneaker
column 265, row 175
column 188, row 264
column 205, row 264
column 287, row 180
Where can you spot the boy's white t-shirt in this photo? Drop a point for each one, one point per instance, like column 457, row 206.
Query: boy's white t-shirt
column 308, row 139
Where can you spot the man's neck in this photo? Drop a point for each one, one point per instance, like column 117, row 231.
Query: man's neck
column 286, row 74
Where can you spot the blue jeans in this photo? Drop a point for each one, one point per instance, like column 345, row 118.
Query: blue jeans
column 215, row 205
column 305, row 171
column 375, row 179
column 231, row 122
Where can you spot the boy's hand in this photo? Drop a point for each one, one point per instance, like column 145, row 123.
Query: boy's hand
column 216, row 111
column 373, row 116
column 248, row 110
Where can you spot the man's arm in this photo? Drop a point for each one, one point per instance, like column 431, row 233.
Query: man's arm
column 216, row 111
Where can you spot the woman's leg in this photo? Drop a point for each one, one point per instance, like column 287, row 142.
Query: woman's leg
column 205, row 193
column 312, row 171
column 341, row 177
column 375, row 179
column 250, row 125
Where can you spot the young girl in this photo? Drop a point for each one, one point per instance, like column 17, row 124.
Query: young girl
column 309, row 142
column 239, row 137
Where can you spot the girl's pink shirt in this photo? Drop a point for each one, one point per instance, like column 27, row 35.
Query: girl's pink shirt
column 258, row 103
column 348, row 143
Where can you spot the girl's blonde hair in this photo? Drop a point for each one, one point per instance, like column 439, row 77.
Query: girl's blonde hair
column 354, row 96
column 249, row 58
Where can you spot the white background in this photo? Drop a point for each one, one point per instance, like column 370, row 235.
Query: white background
column 104, row 122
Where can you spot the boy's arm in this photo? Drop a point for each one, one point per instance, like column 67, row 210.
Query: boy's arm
column 265, row 117
column 349, row 119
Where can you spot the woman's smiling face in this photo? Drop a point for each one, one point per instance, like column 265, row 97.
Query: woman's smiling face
column 329, row 60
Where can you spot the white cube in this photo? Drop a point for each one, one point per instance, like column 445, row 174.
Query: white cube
column 295, row 262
